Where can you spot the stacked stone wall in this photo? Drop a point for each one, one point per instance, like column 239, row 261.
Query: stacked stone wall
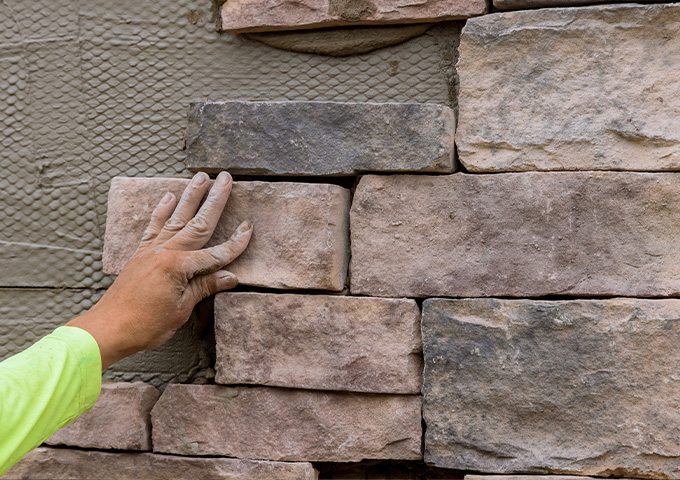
column 464, row 261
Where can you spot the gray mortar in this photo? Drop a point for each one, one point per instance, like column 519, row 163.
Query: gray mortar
column 341, row 41
column 94, row 89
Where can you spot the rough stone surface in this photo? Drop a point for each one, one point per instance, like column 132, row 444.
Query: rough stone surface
column 590, row 98
column 587, row 387
column 119, row 420
column 341, row 41
column 239, row 16
column 319, row 342
column 300, row 237
column 65, row 464
column 281, row 424
column 535, row 234
column 319, row 138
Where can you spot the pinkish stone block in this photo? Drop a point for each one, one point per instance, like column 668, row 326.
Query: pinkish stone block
column 319, row 342
column 281, row 424
column 240, row 16
column 68, row 464
column 119, row 420
column 300, row 239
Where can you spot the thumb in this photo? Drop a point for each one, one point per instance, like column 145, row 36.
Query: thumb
column 202, row 286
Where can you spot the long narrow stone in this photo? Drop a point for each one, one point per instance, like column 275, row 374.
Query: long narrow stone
column 534, row 234
column 319, row 342
column 319, row 138
column 66, row 464
column 281, row 424
column 239, row 16
column 300, row 237
column 119, row 420
column 529, row 477
column 590, row 98
column 587, row 387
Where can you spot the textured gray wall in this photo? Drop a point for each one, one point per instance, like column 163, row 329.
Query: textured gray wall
column 91, row 89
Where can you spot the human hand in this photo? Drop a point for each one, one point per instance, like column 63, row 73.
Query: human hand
column 157, row 289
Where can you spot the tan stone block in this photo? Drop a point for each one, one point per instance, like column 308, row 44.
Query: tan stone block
column 581, row 387
column 282, row 424
column 319, row 342
column 119, row 420
column 570, row 89
column 66, row 464
column 239, row 16
column 300, row 237
column 530, row 234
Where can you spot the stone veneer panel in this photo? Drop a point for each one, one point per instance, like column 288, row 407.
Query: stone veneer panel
column 239, row 16
column 281, row 424
column 535, row 234
column 590, row 98
column 119, row 420
column 66, row 464
column 319, row 342
column 300, row 237
column 319, row 138
column 586, row 387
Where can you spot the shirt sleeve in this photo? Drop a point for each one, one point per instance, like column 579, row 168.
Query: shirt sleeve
column 44, row 388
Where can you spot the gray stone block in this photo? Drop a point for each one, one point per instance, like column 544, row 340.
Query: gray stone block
column 587, row 387
column 319, row 138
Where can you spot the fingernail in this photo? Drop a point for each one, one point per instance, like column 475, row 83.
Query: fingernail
column 223, row 178
column 200, row 178
column 245, row 226
column 166, row 199
column 229, row 279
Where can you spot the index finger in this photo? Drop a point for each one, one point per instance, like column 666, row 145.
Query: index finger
column 200, row 228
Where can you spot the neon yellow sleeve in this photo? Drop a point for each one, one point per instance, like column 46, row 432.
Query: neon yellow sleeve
column 44, row 388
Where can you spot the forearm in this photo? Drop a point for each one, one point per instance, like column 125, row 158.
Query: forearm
column 44, row 388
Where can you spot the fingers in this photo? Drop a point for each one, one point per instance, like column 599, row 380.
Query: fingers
column 160, row 215
column 205, row 285
column 188, row 204
column 212, row 259
column 199, row 229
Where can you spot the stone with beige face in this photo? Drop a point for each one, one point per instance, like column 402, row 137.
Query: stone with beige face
column 67, row 464
column 287, row 425
column 320, row 342
column 240, row 16
column 571, row 89
column 581, row 387
column 119, row 420
column 528, row 235
column 300, row 236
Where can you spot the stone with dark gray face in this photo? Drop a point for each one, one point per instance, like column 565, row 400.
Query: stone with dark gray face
column 66, row 464
column 324, row 342
column 288, row 425
column 239, row 16
column 300, row 230
column 119, row 420
column 319, row 138
column 529, row 235
column 586, row 387
column 570, row 89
